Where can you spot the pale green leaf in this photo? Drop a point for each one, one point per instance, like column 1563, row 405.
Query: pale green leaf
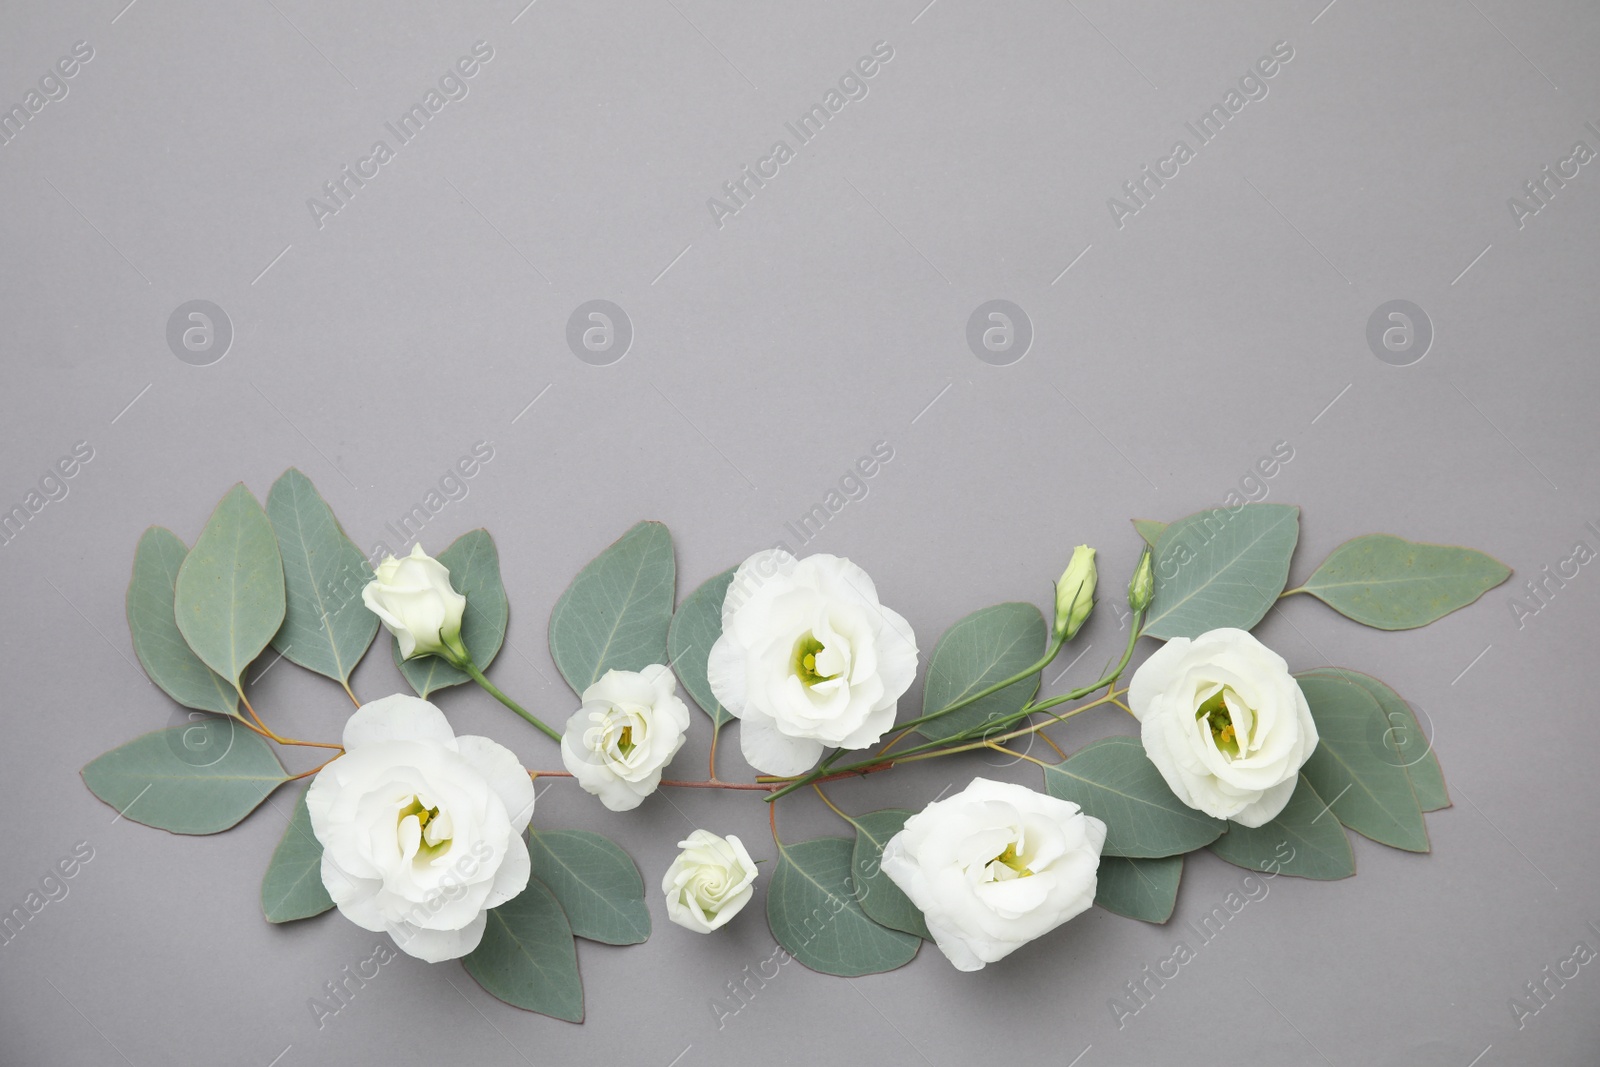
column 983, row 648
column 1139, row 889
column 597, row 884
column 292, row 887
column 1413, row 749
column 474, row 565
column 326, row 627
column 1394, row 584
column 229, row 591
column 1113, row 780
column 527, row 957
column 166, row 656
column 1355, row 768
column 813, row 912
column 1305, row 840
column 196, row 779
column 695, row 628
column 880, row 898
column 1223, row 567
column 616, row 612
column 1150, row 530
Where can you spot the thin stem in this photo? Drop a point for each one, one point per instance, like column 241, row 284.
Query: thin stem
column 1292, row 592
column 711, row 771
column 494, row 691
column 350, row 693
column 772, row 821
column 266, row 731
column 674, row 783
column 1018, row 755
column 1049, row 654
column 831, row 804
column 1046, row 739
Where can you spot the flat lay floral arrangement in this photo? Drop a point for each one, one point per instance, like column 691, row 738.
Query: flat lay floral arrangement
column 432, row 837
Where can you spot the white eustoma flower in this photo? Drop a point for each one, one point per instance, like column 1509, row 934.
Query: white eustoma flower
column 421, row 830
column 995, row 866
column 630, row 726
column 808, row 658
column 710, row 881
column 416, row 602
column 1225, row 723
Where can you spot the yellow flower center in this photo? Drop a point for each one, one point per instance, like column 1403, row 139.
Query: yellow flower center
column 1220, row 721
column 1009, row 858
column 805, row 660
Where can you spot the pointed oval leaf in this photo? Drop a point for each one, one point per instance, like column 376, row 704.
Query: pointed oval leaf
column 1318, row 846
column 1223, row 567
column 527, row 957
column 616, row 612
column 229, row 591
column 1139, row 889
column 1113, row 780
column 292, row 887
column 880, row 898
column 326, row 627
column 1393, row 584
column 813, row 912
column 695, row 628
column 165, row 655
column 985, row 647
column 1150, row 530
column 596, row 882
column 474, row 565
column 196, row 779
column 1371, row 793
column 1412, row 748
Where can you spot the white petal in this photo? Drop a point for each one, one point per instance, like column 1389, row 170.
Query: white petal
column 435, row 946
column 512, row 877
column 725, row 670
column 771, row 752
column 503, row 771
column 400, row 717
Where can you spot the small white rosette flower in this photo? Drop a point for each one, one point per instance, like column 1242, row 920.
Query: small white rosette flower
column 1225, row 723
column 421, row 830
column 808, row 658
column 630, row 726
column 416, row 602
column 995, row 866
column 710, row 881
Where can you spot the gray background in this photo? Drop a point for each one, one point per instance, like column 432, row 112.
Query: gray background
column 769, row 354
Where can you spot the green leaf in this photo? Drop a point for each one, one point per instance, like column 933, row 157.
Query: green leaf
column 616, row 612
column 1412, row 748
column 1318, row 847
column 1356, row 768
column 196, row 779
column 695, row 628
column 985, row 647
column 474, row 565
column 597, row 884
column 1150, row 530
column 880, row 898
column 229, row 591
column 1394, row 584
column 292, row 887
column 1139, row 889
column 1113, row 780
column 527, row 957
column 1223, row 567
column 167, row 658
column 326, row 627
column 813, row 912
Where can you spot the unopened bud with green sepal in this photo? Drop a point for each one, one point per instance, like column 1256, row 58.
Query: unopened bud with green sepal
column 1075, row 592
column 1142, row 586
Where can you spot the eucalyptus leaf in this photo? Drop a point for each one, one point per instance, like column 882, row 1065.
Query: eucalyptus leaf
column 597, row 884
column 695, row 628
column 1393, row 584
column 229, row 591
column 196, row 779
column 813, row 913
column 166, row 657
column 1150, row 530
column 616, row 612
column 988, row 646
column 880, row 898
column 1317, row 844
column 1223, row 567
column 527, row 957
column 1113, row 780
column 326, row 627
column 1355, row 768
column 292, row 887
column 474, row 565
column 1139, row 889
column 1413, row 749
